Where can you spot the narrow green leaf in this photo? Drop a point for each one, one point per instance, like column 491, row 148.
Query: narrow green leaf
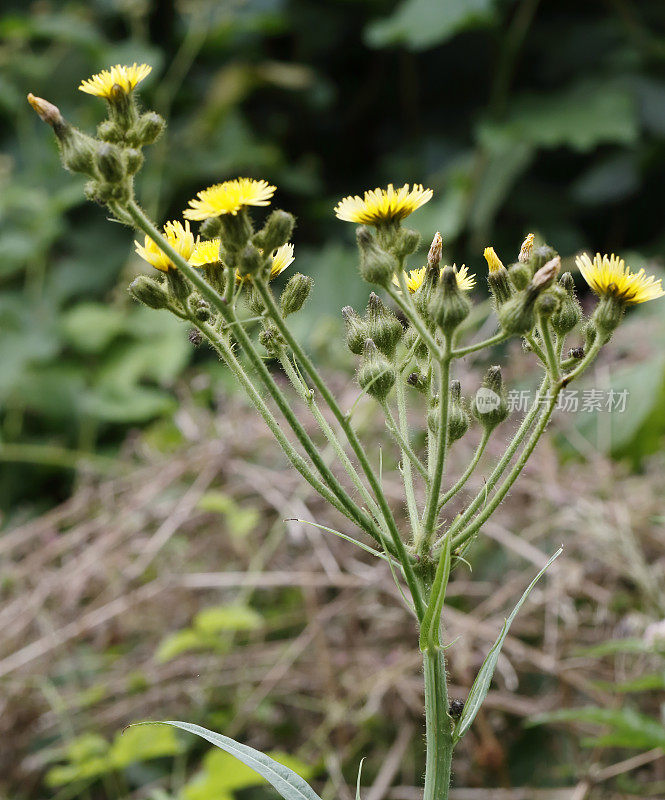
column 288, row 783
column 482, row 683
column 360, row 772
column 432, row 616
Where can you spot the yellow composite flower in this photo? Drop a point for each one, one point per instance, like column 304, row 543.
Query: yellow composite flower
column 206, row 252
column 415, row 277
column 609, row 276
column 229, row 197
column 493, row 261
column 281, row 259
column 178, row 236
column 126, row 78
column 383, row 205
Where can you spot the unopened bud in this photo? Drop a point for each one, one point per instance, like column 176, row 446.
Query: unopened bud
column 235, row 231
column 385, row 330
column 179, row 286
column 133, row 160
column 250, row 260
column 499, row 285
column 295, row 293
column 148, row 128
column 546, row 274
column 540, row 256
column 435, row 252
column 494, row 263
column 414, row 342
column 375, row 375
column 406, row 242
column 276, row 232
column 607, row 317
column 376, row 265
column 272, row 340
column 489, row 405
column 149, row 292
column 109, row 163
column 48, row 112
column 546, row 305
column 526, row 249
column 109, row 131
column 357, row 330
column 458, row 417
column 569, row 312
column 519, row 275
column 449, row 306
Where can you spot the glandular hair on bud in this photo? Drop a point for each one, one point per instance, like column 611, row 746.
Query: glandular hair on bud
column 148, row 128
column 435, row 252
column 376, row 264
column 210, row 228
column 149, row 292
column 109, row 163
column 385, row 330
column 406, row 242
column 357, row 330
column 412, row 339
column 499, row 285
column 295, row 293
column 376, row 376
column 449, row 306
column 109, row 131
column 489, row 405
column 518, row 315
column 276, row 232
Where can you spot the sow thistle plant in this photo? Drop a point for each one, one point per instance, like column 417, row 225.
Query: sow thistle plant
column 212, row 277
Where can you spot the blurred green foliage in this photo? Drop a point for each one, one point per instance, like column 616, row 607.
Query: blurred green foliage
column 520, row 115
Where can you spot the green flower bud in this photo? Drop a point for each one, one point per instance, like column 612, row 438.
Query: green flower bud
column 406, row 242
column 295, row 293
column 546, row 305
column 607, row 317
column 250, row 261
column 489, row 405
column 418, row 381
column 449, row 306
column 202, row 312
column 569, row 312
column 210, row 228
column 149, row 292
column 109, row 163
column 179, row 286
column 108, row 131
column 148, row 128
column 376, row 265
column 272, row 340
column 458, row 417
column 519, row 275
column 518, row 315
column 77, row 149
column 375, row 375
column 134, row 160
column 236, row 231
column 499, row 285
column 385, row 330
column 540, row 256
column 433, row 416
column 357, row 330
column 276, row 232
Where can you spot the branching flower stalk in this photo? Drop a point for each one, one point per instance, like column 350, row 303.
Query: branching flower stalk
column 211, row 278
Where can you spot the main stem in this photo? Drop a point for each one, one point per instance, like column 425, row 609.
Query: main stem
column 438, row 726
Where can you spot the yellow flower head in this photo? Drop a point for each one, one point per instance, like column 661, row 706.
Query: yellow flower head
column 493, row 261
column 178, row 236
column 414, row 279
column 101, row 84
column 206, row 252
column 229, row 197
column 281, row 259
column 383, row 205
column 526, row 248
column 609, row 276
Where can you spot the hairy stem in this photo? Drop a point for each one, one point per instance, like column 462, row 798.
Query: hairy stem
column 447, row 497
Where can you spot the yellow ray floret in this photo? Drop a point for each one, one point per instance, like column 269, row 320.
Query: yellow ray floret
column 178, row 236
column 206, row 252
column 126, row 78
column 414, row 279
column 383, row 205
column 609, row 276
column 281, row 259
column 229, row 197
column 493, row 261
